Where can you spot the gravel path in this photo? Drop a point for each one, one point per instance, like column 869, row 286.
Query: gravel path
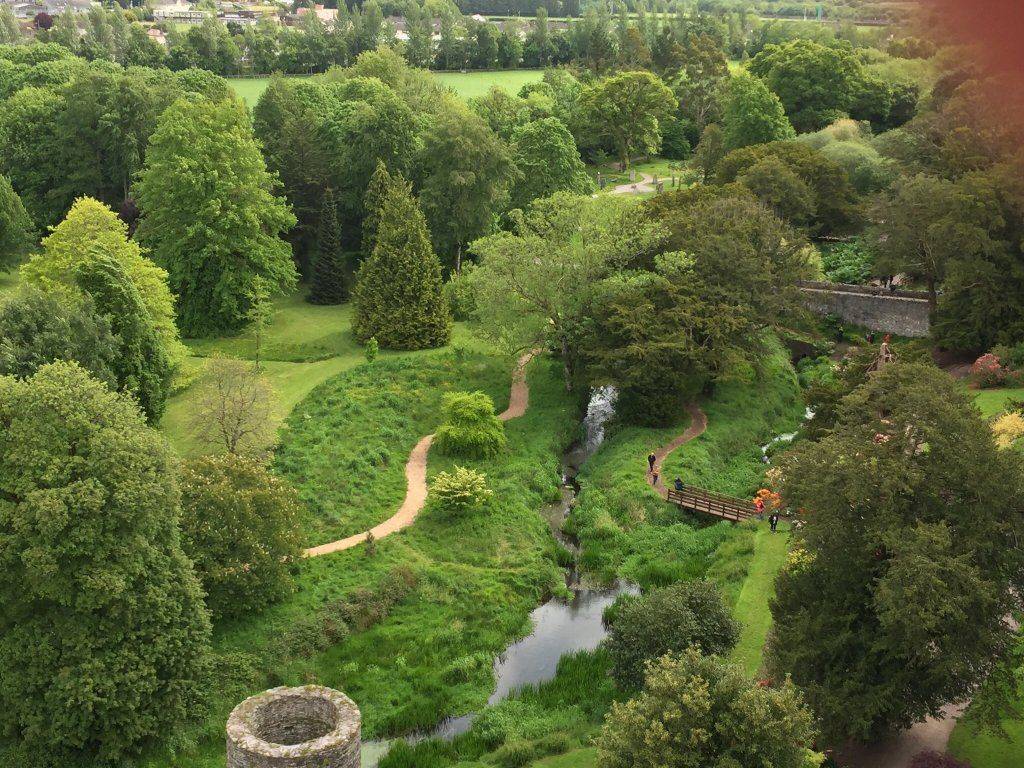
column 698, row 423
column 416, row 472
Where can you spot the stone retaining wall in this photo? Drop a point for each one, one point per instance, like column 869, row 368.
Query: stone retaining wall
column 904, row 313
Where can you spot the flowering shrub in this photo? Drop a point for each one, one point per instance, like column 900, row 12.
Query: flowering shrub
column 464, row 490
column 988, row 371
column 771, row 499
column 1008, row 429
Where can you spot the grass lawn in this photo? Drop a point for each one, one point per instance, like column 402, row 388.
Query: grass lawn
column 578, row 758
column 470, row 84
column 993, row 401
column 8, row 282
column 303, row 346
column 465, row 84
column 985, row 750
column 658, row 166
column 758, row 589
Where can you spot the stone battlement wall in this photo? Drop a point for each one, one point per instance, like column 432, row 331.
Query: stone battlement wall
column 904, row 313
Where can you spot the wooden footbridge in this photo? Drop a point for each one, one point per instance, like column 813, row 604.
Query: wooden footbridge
column 714, row 504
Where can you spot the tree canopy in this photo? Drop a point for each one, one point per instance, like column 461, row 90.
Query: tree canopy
column 398, row 296
column 905, row 562
column 102, row 611
column 696, row 711
column 209, row 214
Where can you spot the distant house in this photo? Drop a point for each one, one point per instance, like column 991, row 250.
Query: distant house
column 157, row 35
column 178, row 12
column 324, row 14
column 27, row 10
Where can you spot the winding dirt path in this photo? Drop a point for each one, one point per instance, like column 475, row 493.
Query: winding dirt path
column 643, row 184
column 698, row 423
column 416, row 472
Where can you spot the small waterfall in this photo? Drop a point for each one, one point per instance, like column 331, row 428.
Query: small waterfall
column 559, row 627
column 784, row 439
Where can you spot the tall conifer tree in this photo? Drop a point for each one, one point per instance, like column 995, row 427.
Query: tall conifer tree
column 329, row 283
column 398, row 297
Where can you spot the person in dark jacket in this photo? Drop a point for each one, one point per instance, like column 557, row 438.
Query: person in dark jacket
column 651, row 458
column 678, row 484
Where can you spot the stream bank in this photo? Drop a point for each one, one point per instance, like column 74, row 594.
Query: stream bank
column 559, row 626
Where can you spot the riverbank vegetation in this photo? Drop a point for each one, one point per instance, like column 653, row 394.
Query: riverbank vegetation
column 361, row 256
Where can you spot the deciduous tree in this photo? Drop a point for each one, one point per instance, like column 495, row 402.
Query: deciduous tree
column 548, row 162
column 753, row 114
column 627, row 109
column 102, row 610
column 700, row 711
column 91, row 230
column 209, row 214
column 466, row 174
column 897, row 604
column 240, row 526
column 668, row 620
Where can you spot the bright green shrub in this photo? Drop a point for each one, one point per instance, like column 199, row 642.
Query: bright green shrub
column 464, row 490
column 668, row 620
column 470, row 427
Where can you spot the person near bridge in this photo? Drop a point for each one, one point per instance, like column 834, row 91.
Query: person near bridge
column 678, row 484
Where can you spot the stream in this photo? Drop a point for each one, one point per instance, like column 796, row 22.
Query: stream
column 559, row 626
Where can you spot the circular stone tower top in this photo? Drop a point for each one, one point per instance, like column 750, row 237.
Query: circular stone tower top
column 306, row 727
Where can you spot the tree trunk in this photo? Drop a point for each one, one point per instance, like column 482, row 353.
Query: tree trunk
column 566, row 367
column 933, row 298
column 458, row 259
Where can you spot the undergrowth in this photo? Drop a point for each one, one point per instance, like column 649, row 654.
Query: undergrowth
column 410, row 631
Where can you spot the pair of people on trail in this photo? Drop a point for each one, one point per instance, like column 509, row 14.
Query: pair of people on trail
column 773, row 521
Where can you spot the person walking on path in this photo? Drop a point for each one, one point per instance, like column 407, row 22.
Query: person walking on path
column 759, row 506
column 773, row 521
column 654, row 478
column 651, row 458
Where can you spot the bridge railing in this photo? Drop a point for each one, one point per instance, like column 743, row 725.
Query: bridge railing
column 715, row 504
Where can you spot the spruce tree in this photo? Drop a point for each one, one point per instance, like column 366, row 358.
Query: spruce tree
column 376, row 191
column 398, row 298
column 329, row 284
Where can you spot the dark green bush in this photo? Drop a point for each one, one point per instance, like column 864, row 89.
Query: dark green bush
column 669, row 620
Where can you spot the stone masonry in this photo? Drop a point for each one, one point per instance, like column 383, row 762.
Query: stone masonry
column 904, row 313
column 306, row 727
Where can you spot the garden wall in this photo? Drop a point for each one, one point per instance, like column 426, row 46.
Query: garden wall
column 903, row 313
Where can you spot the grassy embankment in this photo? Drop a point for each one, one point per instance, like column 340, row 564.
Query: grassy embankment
column 465, row 84
column 304, row 346
column 411, row 631
column 627, row 531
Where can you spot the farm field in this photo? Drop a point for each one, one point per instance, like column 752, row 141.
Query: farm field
column 465, row 84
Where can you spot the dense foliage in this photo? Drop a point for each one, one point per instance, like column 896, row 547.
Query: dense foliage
column 17, row 233
column 240, row 526
column 398, row 297
column 104, row 631
column 460, row 491
column 92, row 231
column 916, row 583
column 209, row 214
column 36, row 329
column 469, row 427
column 668, row 620
column 696, row 710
